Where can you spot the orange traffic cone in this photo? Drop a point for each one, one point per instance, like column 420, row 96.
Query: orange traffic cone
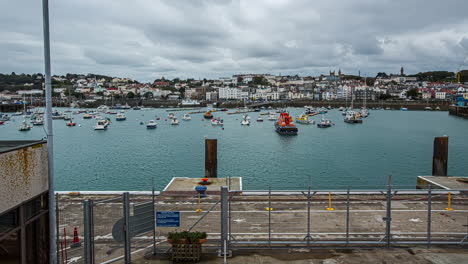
column 76, row 239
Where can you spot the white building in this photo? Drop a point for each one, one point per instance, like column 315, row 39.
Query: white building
column 441, row 95
column 227, row 93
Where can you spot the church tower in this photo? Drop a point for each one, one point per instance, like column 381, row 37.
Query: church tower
column 402, row 71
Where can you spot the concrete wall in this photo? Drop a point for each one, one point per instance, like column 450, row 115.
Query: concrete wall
column 23, row 175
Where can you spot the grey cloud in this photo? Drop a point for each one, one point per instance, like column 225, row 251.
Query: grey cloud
column 209, row 38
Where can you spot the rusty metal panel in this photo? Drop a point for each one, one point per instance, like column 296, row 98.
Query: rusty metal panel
column 440, row 156
column 23, row 175
column 211, row 158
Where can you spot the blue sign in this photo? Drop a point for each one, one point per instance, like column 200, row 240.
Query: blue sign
column 167, row 219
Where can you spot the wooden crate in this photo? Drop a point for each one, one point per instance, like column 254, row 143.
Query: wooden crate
column 186, row 253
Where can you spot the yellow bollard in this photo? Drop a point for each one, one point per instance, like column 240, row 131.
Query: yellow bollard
column 268, row 208
column 449, row 202
column 330, row 208
column 199, row 209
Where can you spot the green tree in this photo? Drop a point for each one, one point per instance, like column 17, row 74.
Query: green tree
column 130, row 95
column 412, row 93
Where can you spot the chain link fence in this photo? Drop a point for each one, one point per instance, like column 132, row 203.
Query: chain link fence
column 119, row 228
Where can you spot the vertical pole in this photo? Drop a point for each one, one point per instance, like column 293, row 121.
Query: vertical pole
column 211, row 158
column 429, row 215
column 347, row 215
column 22, row 235
column 269, row 216
column 154, row 218
column 224, row 217
column 308, row 218
column 50, row 135
column 87, row 232
column 126, row 211
column 440, row 156
column 389, row 211
column 57, row 213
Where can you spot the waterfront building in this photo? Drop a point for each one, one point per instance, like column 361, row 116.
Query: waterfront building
column 24, row 220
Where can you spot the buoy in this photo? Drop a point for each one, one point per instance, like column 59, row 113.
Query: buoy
column 222, row 128
column 79, row 125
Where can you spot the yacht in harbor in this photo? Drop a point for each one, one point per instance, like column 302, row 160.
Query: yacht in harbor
column 272, row 117
column 151, row 124
column 39, row 121
column 324, row 123
column 217, row 122
column 24, row 126
column 186, row 117
column 245, row 120
column 101, row 124
column 120, row 117
column 175, row 121
column 352, row 117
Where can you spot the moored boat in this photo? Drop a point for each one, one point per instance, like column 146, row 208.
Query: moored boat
column 272, row 117
column 186, row 117
column 208, row 115
column 259, row 119
column 120, row 117
column 324, row 123
column 24, row 126
column 245, row 120
column 175, row 121
column 285, row 125
column 151, row 124
column 217, row 122
column 304, row 119
column 352, row 117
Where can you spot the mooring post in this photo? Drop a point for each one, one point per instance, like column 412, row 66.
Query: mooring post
column 211, row 158
column 440, row 156
column 127, row 231
column 154, row 217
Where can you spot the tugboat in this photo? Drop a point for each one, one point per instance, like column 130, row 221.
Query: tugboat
column 208, row 115
column 285, row 126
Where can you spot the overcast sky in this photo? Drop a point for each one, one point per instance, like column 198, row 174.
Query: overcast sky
column 147, row 39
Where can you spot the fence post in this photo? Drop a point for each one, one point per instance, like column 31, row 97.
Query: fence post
column 57, row 224
column 224, row 220
column 388, row 219
column 347, row 216
column 308, row 218
column 88, row 247
column 269, row 216
column 154, row 219
column 429, row 215
column 126, row 211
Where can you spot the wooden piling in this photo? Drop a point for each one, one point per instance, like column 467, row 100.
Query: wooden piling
column 211, row 158
column 440, row 156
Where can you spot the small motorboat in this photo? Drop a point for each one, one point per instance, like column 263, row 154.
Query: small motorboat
column 352, row 117
column 437, row 108
column 427, row 108
column 208, row 115
column 170, row 116
column 324, row 123
column 405, row 109
column 101, row 124
column 304, row 119
column 87, row 116
column 151, row 124
column 217, row 122
column 120, row 117
column 186, row 117
column 272, row 117
column 175, row 121
column 259, row 119
column 1, row 122
column 38, row 121
column 71, row 123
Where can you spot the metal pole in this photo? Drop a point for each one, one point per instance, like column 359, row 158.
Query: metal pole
column 126, row 211
column 50, row 135
column 224, row 216
column 269, row 216
column 57, row 225
column 347, row 216
column 87, row 232
column 308, row 218
column 429, row 215
column 389, row 211
column 154, row 220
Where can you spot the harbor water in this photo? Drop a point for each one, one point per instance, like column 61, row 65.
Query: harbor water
column 127, row 156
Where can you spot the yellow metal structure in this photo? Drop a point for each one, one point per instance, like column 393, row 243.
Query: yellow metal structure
column 330, row 208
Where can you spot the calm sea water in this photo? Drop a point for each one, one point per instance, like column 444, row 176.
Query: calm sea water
column 127, row 155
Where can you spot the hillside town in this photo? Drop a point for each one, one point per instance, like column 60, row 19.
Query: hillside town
column 334, row 86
